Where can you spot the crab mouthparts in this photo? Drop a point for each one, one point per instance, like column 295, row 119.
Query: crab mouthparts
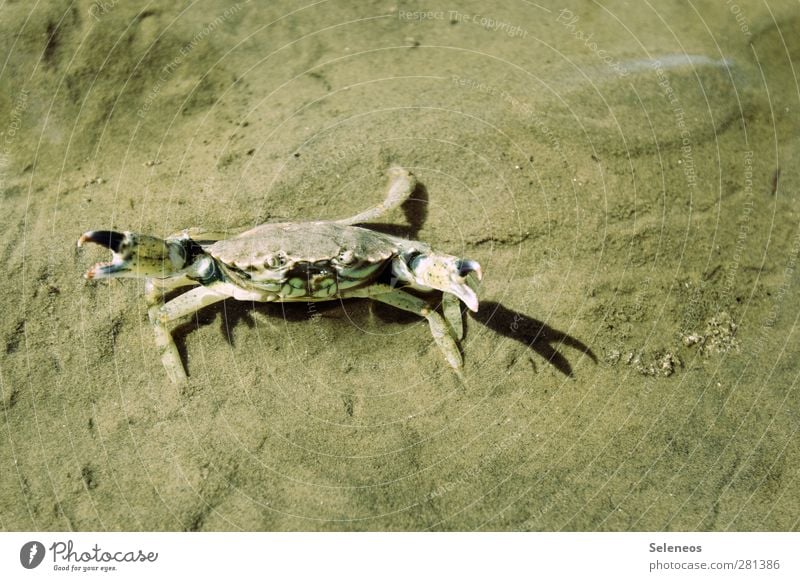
column 108, row 239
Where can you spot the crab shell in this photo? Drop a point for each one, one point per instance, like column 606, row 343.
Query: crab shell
column 305, row 261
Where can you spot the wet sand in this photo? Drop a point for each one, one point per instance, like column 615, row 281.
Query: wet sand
column 627, row 177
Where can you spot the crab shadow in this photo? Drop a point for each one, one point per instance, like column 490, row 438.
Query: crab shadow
column 231, row 314
column 535, row 335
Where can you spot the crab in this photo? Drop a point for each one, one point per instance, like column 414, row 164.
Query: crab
column 294, row 262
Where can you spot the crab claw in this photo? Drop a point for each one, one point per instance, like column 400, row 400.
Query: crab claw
column 462, row 286
column 449, row 274
column 108, row 238
column 466, row 266
column 133, row 255
column 114, row 241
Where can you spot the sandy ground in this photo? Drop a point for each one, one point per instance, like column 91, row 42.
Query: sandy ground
column 626, row 175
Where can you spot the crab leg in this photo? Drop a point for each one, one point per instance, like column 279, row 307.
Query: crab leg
column 164, row 342
column 401, row 185
column 161, row 313
column 451, row 305
column 439, row 328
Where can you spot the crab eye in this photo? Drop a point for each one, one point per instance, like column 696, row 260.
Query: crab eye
column 345, row 257
column 276, row 260
column 412, row 258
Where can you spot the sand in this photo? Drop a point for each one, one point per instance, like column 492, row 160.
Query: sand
column 626, row 176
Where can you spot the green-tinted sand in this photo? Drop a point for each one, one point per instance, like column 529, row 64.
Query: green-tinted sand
column 633, row 365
